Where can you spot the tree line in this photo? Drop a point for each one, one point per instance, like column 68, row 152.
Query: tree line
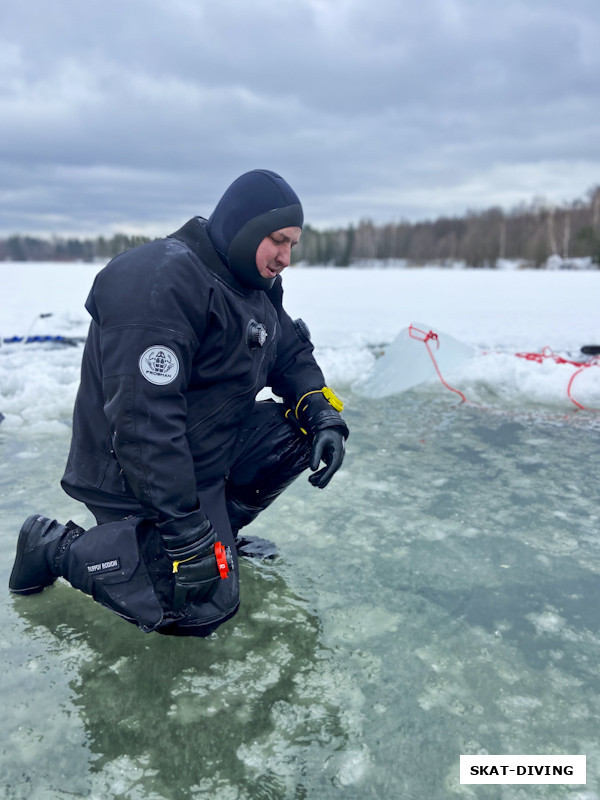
column 32, row 248
column 530, row 233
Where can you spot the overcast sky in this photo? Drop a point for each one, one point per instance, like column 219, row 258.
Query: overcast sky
column 135, row 115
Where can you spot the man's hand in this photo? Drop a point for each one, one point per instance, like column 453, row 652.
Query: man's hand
column 327, row 446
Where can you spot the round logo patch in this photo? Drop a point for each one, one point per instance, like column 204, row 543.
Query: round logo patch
column 159, row 365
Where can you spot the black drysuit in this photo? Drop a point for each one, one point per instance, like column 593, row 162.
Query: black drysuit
column 166, row 426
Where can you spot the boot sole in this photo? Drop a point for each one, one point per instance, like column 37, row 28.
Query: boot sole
column 21, row 548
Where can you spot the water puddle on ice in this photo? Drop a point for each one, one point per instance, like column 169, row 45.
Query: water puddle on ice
column 441, row 597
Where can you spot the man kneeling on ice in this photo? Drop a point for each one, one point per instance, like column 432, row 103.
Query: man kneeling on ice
column 171, row 452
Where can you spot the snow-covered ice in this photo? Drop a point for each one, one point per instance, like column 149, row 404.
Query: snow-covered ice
column 353, row 314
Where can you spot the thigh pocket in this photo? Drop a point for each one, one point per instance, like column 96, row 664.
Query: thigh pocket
column 106, row 562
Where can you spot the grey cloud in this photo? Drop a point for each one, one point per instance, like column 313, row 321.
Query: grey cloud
column 139, row 113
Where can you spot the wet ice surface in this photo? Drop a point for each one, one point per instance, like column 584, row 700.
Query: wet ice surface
column 441, row 597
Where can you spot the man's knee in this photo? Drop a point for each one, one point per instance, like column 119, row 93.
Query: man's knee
column 273, row 454
column 269, row 451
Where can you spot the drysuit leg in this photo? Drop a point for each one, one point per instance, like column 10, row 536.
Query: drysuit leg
column 148, row 583
column 269, row 454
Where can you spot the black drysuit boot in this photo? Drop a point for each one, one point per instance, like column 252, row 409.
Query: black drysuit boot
column 255, row 547
column 41, row 545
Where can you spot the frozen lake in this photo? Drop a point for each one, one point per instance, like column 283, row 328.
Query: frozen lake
column 440, row 598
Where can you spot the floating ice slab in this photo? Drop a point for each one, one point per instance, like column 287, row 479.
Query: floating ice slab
column 407, row 362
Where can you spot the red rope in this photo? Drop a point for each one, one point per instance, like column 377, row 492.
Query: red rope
column 583, row 365
column 571, row 398
column 426, row 338
column 547, row 353
column 430, row 336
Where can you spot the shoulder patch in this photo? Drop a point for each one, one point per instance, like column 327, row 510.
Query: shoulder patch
column 159, row 365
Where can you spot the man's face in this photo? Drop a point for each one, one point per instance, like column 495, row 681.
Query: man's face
column 275, row 251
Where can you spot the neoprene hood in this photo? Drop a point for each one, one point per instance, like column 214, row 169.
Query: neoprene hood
column 256, row 204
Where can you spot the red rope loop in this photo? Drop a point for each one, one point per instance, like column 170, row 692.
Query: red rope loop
column 422, row 336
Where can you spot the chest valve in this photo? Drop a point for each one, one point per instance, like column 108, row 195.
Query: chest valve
column 256, row 334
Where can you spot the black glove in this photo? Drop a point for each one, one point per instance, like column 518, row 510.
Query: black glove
column 195, row 568
column 327, row 446
column 316, row 416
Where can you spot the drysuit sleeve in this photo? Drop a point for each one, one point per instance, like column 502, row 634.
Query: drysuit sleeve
column 151, row 323
column 145, row 372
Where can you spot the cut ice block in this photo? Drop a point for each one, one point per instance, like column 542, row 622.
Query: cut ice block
column 406, row 361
